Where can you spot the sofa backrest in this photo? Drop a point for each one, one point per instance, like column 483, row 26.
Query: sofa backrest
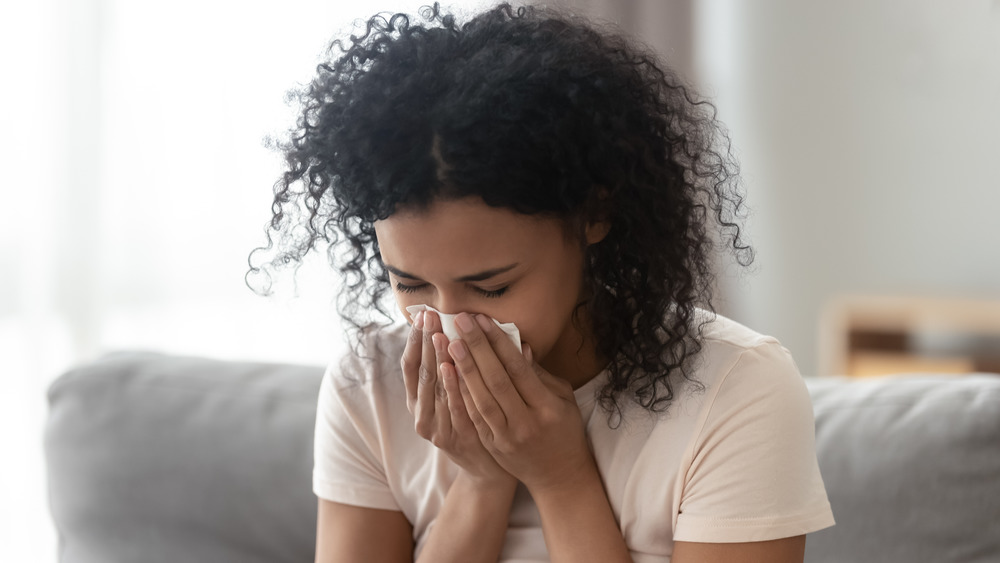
column 911, row 467
column 158, row 458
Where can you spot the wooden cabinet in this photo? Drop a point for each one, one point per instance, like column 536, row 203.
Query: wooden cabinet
column 873, row 336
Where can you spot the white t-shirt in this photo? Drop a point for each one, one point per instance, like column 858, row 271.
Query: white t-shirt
column 733, row 463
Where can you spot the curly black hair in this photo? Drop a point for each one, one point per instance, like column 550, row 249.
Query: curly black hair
column 533, row 110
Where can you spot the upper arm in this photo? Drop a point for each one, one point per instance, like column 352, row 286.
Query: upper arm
column 786, row 550
column 355, row 533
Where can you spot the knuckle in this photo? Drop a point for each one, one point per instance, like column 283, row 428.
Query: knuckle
column 475, row 416
column 522, row 435
column 500, row 385
column 416, row 335
column 504, row 446
column 485, row 435
column 548, row 417
column 423, row 428
column 489, row 410
column 517, row 371
column 475, row 338
column 424, row 375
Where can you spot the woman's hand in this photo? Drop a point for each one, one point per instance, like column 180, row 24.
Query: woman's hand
column 434, row 398
column 526, row 418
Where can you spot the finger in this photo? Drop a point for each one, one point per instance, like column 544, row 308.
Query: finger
column 491, row 368
column 427, row 376
column 480, row 424
column 410, row 361
column 460, row 420
column 441, row 348
column 442, row 415
column 557, row 386
column 480, row 398
column 519, row 370
column 545, row 377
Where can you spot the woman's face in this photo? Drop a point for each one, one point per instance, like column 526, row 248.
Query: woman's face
column 465, row 256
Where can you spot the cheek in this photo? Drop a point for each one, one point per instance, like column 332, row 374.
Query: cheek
column 540, row 336
column 543, row 321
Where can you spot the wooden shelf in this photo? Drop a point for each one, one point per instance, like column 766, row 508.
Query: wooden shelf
column 873, row 335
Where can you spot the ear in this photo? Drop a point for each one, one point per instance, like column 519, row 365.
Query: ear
column 595, row 214
column 596, row 231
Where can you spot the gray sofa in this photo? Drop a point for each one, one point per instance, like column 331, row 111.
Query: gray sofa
column 158, row 458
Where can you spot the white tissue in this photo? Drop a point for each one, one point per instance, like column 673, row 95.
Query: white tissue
column 448, row 324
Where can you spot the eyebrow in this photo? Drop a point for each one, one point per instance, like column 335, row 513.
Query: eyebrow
column 480, row 276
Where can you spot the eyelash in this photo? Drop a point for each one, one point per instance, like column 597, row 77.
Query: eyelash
column 489, row 294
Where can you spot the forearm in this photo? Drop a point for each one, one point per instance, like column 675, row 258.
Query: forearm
column 472, row 523
column 578, row 523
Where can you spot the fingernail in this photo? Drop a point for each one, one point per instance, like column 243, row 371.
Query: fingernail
column 457, row 350
column 464, row 322
column 484, row 322
column 418, row 321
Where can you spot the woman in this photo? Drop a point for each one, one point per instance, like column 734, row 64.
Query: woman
column 526, row 168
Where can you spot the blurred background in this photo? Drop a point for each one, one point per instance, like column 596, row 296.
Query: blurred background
column 136, row 181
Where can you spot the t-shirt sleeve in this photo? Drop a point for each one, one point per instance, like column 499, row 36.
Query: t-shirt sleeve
column 348, row 467
column 753, row 474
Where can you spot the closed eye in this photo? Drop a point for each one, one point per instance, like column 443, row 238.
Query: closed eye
column 488, row 293
column 409, row 288
column 493, row 293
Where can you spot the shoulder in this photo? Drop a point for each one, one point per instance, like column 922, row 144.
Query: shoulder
column 752, row 386
column 360, row 415
column 733, row 354
column 363, row 391
column 745, row 375
column 717, row 330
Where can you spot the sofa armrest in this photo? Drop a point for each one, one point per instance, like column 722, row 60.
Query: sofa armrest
column 911, row 467
column 161, row 458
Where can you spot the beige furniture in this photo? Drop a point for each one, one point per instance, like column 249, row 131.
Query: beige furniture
column 875, row 336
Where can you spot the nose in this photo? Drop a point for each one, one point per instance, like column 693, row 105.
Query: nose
column 452, row 305
column 448, row 306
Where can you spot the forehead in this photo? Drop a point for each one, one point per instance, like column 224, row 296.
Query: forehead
column 464, row 235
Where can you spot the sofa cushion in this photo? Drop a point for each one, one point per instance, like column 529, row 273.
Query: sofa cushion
column 912, row 469
column 158, row 458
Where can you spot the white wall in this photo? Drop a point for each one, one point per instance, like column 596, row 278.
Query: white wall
column 134, row 183
column 665, row 26
column 869, row 132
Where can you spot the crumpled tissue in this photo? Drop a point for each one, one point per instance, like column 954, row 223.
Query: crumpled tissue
column 448, row 324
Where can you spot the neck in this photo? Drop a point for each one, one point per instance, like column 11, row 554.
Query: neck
column 574, row 356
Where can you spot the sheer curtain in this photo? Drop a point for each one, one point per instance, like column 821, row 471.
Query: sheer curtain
column 136, row 181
